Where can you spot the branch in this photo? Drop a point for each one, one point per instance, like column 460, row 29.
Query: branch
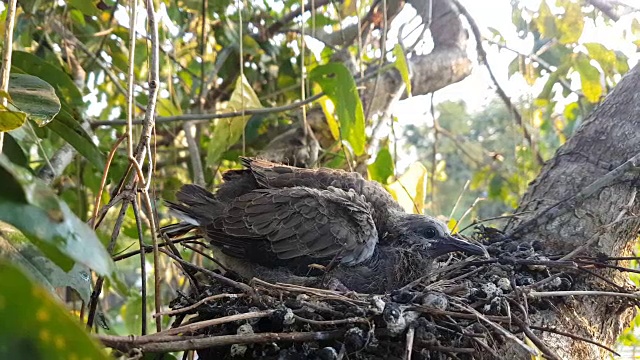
column 7, row 51
column 287, row 18
column 125, row 343
column 482, row 58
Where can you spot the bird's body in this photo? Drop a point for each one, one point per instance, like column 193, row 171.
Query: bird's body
column 274, row 221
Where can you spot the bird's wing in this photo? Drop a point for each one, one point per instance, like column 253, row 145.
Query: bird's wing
column 296, row 222
column 272, row 175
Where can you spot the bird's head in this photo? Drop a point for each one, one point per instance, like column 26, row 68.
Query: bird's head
column 432, row 236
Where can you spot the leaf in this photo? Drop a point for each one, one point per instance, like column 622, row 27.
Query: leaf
column 401, row 65
column 228, row 131
column 382, row 168
column 336, row 81
column 130, row 312
column 15, row 247
column 516, row 65
column 328, row 108
column 33, row 208
column 70, row 130
column 605, row 57
column 64, row 86
column 546, row 22
column 35, row 97
column 35, row 326
column 87, row 7
column 13, row 151
column 410, row 188
column 11, row 120
column 571, row 23
column 589, row 78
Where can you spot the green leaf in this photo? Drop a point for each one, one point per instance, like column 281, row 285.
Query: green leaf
column 516, row 65
column 35, row 326
column 401, row 65
column 336, row 81
column 34, row 96
column 497, row 188
column 571, row 23
column 33, row 208
column 15, row 246
column 88, row 7
column 70, row 130
column 13, row 151
column 589, row 78
column 228, row 131
column 382, row 168
column 130, row 312
column 64, row 86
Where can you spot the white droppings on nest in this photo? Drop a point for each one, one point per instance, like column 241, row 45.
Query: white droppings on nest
column 504, row 284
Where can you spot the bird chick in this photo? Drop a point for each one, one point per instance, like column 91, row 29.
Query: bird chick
column 274, row 221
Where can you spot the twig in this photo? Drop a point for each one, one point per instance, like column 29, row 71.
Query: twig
column 212, row 322
column 149, row 248
column 145, row 136
column 143, row 267
column 287, row 18
column 97, row 289
column 409, row 343
column 103, row 181
column 7, row 51
column 125, row 342
column 482, row 55
column 198, row 118
column 573, row 336
column 195, row 305
column 327, row 294
column 214, row 260
column 497, row 327
column 548, row 353
column 194, row 152
column 356, row 320
column 564, row 206
column 241, row 286
column 541, row 294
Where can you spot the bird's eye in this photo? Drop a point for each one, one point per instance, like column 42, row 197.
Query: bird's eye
column 430, row 232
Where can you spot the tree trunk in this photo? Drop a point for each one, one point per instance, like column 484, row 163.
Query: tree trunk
column 604, row 220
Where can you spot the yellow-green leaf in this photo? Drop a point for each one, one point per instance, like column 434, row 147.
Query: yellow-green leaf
column 410, row 188
column 589, row 78
column 546, row 21
column 228, row 131
column 339, row 85
column 10, row 120
column 328, row 109
column 382, row 168
column 605, row 57
column 402, row 66
column 571, row 24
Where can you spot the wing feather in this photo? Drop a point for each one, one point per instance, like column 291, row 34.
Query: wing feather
column 298, row 222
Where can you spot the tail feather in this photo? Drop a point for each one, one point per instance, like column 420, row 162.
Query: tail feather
column 195, row 206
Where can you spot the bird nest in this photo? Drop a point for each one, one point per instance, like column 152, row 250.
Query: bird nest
column 466, row 308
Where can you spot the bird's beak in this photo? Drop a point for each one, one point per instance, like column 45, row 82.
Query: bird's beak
column 449, row 244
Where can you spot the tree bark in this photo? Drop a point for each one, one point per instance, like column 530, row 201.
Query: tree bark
column 604, row 221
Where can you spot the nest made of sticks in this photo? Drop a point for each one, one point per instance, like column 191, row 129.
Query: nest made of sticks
column 466, row 308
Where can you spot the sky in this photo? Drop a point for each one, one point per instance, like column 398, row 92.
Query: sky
column 477, row 89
